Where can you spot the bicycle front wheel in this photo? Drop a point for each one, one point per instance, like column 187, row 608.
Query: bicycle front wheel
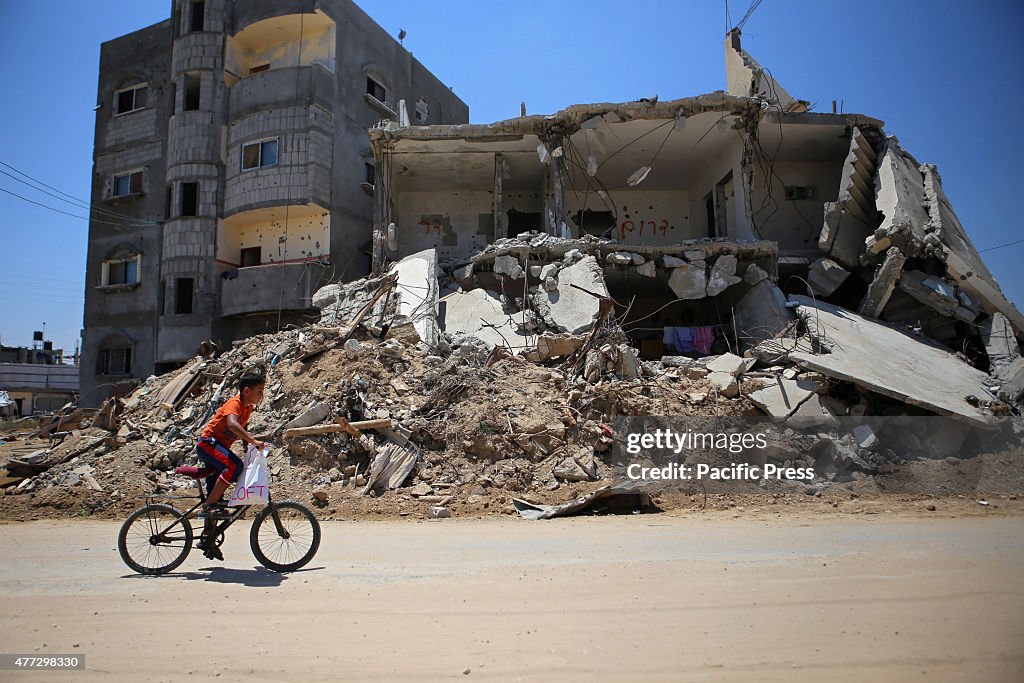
column 155, row 539
column 289, row 547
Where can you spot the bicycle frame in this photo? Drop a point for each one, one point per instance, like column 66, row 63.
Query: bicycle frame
column 221, row 525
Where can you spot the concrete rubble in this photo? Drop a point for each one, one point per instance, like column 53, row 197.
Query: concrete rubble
column 459, row 377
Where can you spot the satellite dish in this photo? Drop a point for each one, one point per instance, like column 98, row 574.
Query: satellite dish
column 401, row 34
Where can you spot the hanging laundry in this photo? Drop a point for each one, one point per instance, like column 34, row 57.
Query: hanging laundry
column 703, row 338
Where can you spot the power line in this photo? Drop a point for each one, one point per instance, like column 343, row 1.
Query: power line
column 74, row 201
column 1001, row 246
column 73, row 215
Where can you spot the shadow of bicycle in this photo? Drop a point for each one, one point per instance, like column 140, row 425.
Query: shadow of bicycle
column 257, row 577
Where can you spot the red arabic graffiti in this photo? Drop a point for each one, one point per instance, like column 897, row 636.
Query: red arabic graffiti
column 638, row 227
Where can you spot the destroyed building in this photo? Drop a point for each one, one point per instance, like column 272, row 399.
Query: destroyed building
column 232, row 175
column 539, row 283
column 705, row 219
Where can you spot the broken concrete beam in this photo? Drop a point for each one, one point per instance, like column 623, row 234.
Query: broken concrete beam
column 883, row 284
column 843, row 235
column 825, row 276
column 723, row 275
column 889, row 361
column 417, row 293
column 761, row 314
column 688, row 282
column 341, row 426
column 728, row 363
column 935, row 293
column 1000, row 343
column 900, row 197
column 782, row 397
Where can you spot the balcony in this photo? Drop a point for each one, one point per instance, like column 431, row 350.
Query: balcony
column 284, row 87
column 262, row 289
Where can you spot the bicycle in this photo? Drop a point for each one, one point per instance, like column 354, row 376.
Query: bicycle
column 156, row 538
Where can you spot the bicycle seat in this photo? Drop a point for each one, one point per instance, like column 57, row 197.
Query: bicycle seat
column 195, row 472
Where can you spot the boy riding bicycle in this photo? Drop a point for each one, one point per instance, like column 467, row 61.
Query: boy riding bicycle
column 214, row 449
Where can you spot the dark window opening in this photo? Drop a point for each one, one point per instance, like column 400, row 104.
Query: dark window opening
column 251, row 256
column 371, row 174
column 198, row 15
column 167, row 201
column 520, row 222
column 114, row 361
column 709, row 212
column 183, row 296
column 127, row 183
column 376, row 90
column 190, row 199
column 192, row 89
column 130, row 99
column 599, row 223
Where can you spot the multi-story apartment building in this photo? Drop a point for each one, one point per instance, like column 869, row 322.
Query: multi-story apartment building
column 233, row 173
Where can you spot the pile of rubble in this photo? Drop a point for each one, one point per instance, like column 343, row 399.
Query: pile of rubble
column 459, row 387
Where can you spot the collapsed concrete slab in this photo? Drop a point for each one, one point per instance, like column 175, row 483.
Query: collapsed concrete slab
column 417, row 293
column 889, row 361
column 479, row 313
column 688, row 281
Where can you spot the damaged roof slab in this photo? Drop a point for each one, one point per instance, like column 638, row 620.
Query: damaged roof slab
column 890, row 362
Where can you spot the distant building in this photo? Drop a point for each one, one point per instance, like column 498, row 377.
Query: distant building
column 233, row 175
column 35, row 380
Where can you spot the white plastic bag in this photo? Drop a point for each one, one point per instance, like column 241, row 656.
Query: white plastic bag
column 253, row 487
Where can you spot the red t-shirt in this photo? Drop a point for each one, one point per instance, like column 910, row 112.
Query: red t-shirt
column 218, row 426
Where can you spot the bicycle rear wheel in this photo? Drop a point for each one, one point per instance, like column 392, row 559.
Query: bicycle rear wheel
column 155, row 539
column 292, row 549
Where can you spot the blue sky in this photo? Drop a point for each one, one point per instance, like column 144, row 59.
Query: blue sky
column 944, row 76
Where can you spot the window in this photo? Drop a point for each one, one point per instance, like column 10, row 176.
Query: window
column 422, row 111
column 190, row 199
column 126, row 183
column 115, row 356
column 376, row 90
column 183, row 296
column 124, row 272
column 130, row 99
column 251, row 256
column 371, row 174
column 198, row 15
column 259, row 154
column 192, row 90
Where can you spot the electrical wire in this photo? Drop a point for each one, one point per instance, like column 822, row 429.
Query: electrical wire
column 77, row 203
column 1001, row 246
column 66, row 213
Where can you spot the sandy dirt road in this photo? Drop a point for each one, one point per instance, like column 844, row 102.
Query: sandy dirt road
column 652, row 598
